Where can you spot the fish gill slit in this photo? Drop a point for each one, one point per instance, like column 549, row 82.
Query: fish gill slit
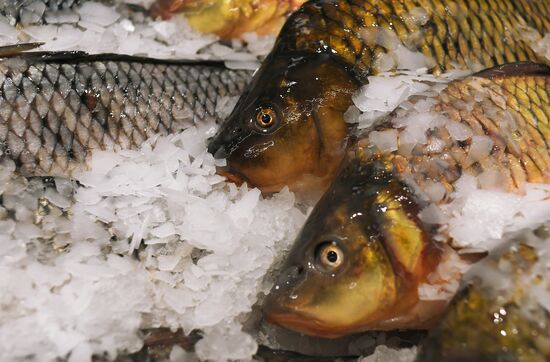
column 398, row 267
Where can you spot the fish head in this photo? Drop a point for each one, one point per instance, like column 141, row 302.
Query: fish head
column 358, row 261
column 288, row 128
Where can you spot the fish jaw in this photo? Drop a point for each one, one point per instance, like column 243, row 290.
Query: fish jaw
column 302, row 323
column 421, row 316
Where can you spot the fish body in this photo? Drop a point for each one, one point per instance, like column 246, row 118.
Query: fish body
column 56, row 108
column 229, row 18
column 364, row 250
column 325, row 52
column 499, row 313
column 27, row 12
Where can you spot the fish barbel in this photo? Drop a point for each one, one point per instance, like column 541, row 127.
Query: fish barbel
column 501, row 312
column 364, row 250
column 56, row 108
column 288, row 127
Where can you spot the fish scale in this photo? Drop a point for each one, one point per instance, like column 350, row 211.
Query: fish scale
column 329, row 48
column 55, row 109
column 507, row 105
column 385, row 215
column 506, row 321
column 458, row 33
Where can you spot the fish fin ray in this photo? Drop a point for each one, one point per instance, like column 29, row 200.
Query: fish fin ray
column 515, row 69
column 23, row 50
column 8, row 51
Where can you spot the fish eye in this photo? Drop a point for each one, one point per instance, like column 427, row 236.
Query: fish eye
column 329, row 255
column 266, row 119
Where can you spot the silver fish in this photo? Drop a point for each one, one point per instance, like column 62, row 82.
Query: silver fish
column 28, row 12
column 55, row 108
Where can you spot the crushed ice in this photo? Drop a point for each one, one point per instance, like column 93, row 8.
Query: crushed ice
column 155, row 238
column 94, row 27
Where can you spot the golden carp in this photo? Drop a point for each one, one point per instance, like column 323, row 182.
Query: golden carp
column 229, row 18
column 364, row 251
column 288, row 127
column 501, row 313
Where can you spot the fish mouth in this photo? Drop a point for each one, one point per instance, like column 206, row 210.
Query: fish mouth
column 276, row 312
column 232, row 176
column 303, row 323
column 295, row 322
column 240, row 178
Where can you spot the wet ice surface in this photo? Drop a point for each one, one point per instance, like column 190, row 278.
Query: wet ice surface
column 95, row 27
column 151, row 237
column 155, row 238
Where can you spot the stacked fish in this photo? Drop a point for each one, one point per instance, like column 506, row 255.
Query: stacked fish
column 372, row 252
column 375, row 241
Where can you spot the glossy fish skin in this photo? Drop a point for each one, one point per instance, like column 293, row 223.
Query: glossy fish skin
column 374, row 286
column 302, row 78
column 381, row 248
column 486, row 323
column 348, row 35
column 56, row 108
column 510, row 105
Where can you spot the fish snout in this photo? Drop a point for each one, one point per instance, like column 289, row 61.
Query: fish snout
column 216, row 146
column 288, row 277
column 219, row 153
column 282, row 291
column 227, row 140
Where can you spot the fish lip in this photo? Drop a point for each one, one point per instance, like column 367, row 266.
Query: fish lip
column 277, row 312
column 303, row 323
column 231, row 175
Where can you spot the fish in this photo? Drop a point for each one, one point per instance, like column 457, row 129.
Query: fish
column 229, row 18
column 363, row 252
column 498, row 313
column 56, row 108
column 288, row 128
column 28, row 12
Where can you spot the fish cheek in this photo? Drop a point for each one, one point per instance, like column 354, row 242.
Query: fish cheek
column 346, row 302
column 272, row 161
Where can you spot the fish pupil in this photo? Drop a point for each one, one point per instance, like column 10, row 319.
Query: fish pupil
column 332, row 256
column 266, row 119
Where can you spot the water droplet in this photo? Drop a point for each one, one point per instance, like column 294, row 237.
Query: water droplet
column 502, row 311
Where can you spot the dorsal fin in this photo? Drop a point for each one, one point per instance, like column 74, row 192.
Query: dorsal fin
column 16, row 49
column 517, row 69
column 23, row 50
